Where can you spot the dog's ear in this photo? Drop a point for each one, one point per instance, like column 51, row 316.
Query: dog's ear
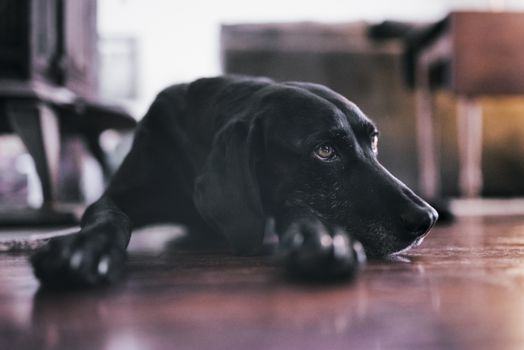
column 227, row 192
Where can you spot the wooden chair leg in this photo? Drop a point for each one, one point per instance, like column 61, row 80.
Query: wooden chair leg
column 93, row 143
column 428, row 156
column 37, row 125
column 469, row 126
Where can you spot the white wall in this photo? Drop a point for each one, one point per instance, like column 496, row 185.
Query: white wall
column 178, row 40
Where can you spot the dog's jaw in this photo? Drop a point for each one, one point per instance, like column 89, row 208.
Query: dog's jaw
column 416, row 243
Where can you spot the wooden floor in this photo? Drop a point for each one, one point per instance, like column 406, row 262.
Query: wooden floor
column 462, row 289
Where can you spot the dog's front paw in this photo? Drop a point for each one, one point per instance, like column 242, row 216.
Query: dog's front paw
column 81, row 260
column 316, row 252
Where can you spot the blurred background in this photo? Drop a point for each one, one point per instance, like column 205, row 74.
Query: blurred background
column 75, row 75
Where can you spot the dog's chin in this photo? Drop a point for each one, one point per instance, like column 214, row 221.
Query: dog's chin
column 417, row 242
column 393, row 248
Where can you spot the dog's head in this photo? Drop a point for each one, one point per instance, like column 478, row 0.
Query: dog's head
column 306, row 147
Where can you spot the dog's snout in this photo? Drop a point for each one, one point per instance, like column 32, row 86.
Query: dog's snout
column 418, row 220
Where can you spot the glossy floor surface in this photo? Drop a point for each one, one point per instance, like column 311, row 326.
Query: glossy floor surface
column 462, row 289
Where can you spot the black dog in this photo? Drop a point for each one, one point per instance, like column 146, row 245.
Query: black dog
column 225, row 155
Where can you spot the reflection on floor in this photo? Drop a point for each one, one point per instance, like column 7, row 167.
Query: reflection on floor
column 462, row 289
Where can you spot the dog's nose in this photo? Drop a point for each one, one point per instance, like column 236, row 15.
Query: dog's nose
column 417, row 221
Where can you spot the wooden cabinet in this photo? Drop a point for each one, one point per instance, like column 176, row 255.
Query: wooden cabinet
column 48, row 84
column 51, row 42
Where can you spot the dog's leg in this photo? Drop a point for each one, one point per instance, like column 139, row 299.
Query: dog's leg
column 314, row 250
column 94, row 256
column 152, row 185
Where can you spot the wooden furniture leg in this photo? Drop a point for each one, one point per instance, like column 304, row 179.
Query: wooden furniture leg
column 469, row 127
column 37, row 125
column 428, row 160
column 93, row 143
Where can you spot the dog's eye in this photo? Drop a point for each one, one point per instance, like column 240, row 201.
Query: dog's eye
column 325, row 152
column 374, row 142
